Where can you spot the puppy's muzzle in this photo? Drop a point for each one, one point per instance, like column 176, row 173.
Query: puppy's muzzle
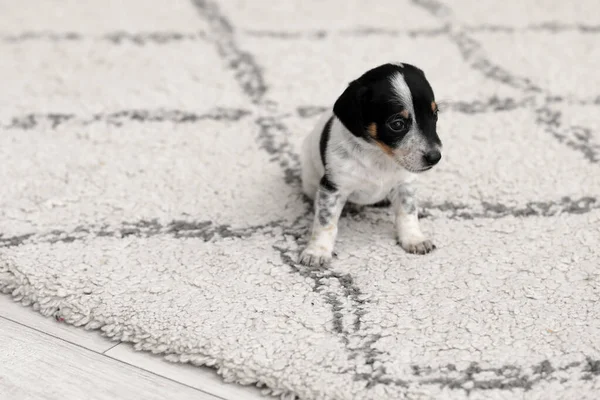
column 432, row 157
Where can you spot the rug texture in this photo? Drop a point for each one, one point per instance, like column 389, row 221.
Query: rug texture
column 150, row 188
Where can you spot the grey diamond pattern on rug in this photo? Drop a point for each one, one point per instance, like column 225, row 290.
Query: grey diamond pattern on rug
column 151, row 190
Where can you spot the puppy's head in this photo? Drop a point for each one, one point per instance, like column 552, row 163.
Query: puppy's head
column 393, row 107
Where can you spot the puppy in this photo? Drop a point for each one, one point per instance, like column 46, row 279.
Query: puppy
column 380, row 135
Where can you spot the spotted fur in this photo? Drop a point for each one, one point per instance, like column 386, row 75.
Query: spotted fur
column 380, row 134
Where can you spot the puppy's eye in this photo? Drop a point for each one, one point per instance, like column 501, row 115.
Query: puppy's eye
column 397, row 125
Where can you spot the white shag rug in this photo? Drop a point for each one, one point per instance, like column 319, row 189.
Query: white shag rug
column 150, row 188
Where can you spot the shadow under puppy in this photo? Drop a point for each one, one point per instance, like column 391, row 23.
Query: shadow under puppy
column 380, row 135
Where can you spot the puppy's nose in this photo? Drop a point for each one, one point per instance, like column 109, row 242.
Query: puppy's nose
column 432, row 157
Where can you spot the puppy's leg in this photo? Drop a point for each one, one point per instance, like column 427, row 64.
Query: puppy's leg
column 328, row 207
column 409, row 232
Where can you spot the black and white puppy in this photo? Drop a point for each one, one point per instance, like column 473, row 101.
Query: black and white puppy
column 380, row 135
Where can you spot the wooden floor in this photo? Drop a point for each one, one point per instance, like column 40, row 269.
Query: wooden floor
column 43, row 359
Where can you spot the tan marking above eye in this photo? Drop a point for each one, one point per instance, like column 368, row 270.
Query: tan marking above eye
column 404, row 113
column 372, row 129
column 433, row 106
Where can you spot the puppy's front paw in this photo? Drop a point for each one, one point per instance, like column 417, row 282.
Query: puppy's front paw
column 314, row 256
column 422, row 246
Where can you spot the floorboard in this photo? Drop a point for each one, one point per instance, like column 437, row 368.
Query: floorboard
column 16, row 312
column 36, row 366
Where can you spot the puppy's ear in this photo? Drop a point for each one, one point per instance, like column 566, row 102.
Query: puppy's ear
column 349, row 108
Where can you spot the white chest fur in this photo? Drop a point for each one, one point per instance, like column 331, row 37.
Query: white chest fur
column 364, row 173
column 369, row 179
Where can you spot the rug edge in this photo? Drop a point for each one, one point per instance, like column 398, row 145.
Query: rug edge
column 19, row 290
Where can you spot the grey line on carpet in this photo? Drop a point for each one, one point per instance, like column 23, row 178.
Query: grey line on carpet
column 549, row 26
column 165, row 37
column 566, row 205
column 208, row 230
column 470, row 50
column 118, row 118
column 578, row 138
column 360, row 31
column 204, row 230
column 117, row 37
column 321, row 277
column 510, row 376
column 435, row 7
column 247, row 71
column 273, row 139
column 488, row 210
column 142, row 38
